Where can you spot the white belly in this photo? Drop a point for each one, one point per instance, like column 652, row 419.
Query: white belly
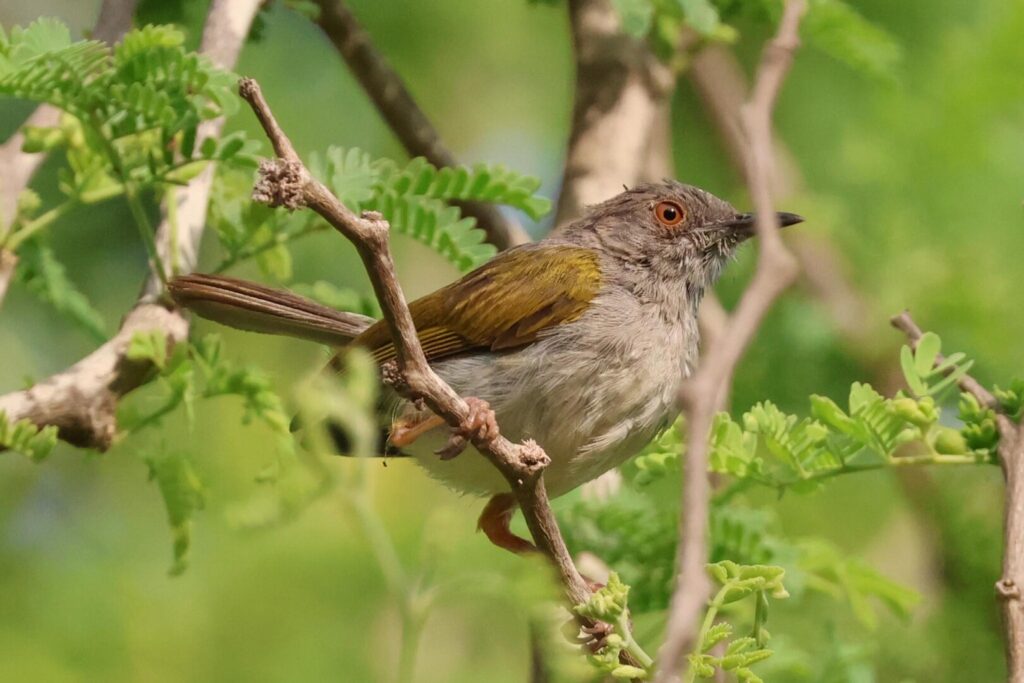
column 590, row 405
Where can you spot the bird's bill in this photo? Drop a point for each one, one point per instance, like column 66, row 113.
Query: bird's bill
column 747, row 222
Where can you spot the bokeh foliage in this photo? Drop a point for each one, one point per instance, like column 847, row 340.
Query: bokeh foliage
column 915, row 176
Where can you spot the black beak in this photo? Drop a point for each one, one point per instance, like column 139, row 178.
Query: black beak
column 746, row 221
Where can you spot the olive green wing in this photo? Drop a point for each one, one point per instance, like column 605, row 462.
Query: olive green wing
column 504, row 304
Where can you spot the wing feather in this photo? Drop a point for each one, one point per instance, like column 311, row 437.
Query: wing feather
column 505, row 304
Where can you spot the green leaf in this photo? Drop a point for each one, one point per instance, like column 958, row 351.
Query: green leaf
column 701, row 15
column 928, row 347
column 41, row 36
column 26, row 438
column 149, row 345
column 608, row 603
column 1011, row 400
column 183, row 496
column 139, row 102
column 910, row 374
column 636, row 16
column 414, row 198
column 43, row 275
column 838, row 30
column 717, row 633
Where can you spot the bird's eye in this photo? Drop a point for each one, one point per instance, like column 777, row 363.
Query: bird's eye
column 669, row 214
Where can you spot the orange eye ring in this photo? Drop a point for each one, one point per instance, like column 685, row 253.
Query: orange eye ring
column 669, row 214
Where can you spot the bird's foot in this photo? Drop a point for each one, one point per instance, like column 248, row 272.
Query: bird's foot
column 494, row 522
column 481, row 424
column 595, row 638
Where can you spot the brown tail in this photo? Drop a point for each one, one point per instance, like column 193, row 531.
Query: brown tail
column 249, row 306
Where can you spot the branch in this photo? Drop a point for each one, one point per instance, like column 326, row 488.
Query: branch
column 702, row 396
column 720, row 83
column 401, row 112
column 81, row 401
column 620, row 89
column 286, row 182
column 1011, row 458
column 1011, row 583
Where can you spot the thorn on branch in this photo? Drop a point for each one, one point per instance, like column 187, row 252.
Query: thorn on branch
column 1008, row 589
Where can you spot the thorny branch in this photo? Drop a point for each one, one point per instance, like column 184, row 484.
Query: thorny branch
column 81, row 401
column 286, row 182
column 1011, row 458
column 702, row 395
column 399, row 109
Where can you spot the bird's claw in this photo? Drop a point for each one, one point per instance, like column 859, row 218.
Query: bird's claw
column 480, row 424
column 454, row 446
column 595, row 637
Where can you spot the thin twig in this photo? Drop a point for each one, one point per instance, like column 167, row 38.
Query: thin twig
column 720, row 83
column 702, row 396
column 82, row 400
column 401, row 112
column 1011, row 583
column 287, row 182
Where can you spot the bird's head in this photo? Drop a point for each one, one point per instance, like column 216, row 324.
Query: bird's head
column 669, row 230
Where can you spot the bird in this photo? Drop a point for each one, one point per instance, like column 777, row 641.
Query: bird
column 579, row 341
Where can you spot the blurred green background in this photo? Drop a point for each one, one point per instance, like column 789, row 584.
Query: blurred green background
column 918, row 184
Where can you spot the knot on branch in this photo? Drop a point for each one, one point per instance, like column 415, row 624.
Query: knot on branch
column 377, row 229
column 531, row 458
column 248, row 89
column 1007, row 589
column 392, row 376
column 280, row 183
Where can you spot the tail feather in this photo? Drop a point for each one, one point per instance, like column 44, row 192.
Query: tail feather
column 249, row 306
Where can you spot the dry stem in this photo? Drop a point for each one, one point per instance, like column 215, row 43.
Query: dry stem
column 702, row 396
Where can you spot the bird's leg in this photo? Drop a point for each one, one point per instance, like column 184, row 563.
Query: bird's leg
column 406, row 430
column 480, row 424
column 494, row 522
